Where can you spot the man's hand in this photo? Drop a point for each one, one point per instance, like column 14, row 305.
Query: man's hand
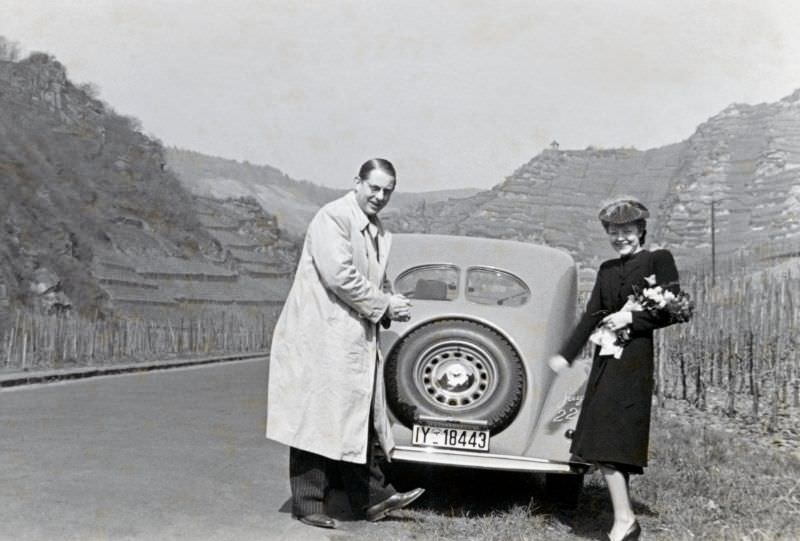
column 557, row 363
column 618, row 320
column 399, row 308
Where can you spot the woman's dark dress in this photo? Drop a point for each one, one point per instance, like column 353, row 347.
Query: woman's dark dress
column 614, row 423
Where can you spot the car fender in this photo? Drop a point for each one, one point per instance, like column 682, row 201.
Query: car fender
column 559, row 415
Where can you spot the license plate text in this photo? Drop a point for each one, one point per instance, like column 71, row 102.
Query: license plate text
column 451, row 438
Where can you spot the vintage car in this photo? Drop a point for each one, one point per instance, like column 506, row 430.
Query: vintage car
column 466, row 378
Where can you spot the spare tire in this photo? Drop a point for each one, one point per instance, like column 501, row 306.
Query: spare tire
column 455, row 368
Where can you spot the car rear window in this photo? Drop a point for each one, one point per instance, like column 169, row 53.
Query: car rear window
column 429, row 282
column 494, row 286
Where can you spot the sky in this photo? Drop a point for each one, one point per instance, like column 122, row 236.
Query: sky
column 457, row 93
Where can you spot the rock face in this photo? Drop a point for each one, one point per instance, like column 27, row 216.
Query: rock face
column 79, row 181
column 746, row 159
column 251, row 271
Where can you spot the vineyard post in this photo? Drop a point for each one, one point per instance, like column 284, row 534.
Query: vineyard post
column 14, row 338
column 64, row 324
column 175, row 341
column 730, row 408
column 75, row 340
column 684, row 392
column 659, row 389
column 786, row 332
column 92, row 337
column 754, row 384
column 699, row 391
column 24, row 348
column 125, row 342
column 10, row 345
column 772, row 424
column 224, row 333
column 180, row 338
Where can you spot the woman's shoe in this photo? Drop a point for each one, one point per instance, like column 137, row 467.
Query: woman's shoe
column 632, row 534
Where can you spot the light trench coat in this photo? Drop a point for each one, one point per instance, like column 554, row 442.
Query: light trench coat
column 325, row 369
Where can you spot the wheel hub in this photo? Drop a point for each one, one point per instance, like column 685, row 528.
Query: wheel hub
column 456, row 375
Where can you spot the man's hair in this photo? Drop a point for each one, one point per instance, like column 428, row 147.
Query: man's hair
column 376, row 163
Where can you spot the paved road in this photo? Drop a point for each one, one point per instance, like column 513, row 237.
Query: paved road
column 165, row 455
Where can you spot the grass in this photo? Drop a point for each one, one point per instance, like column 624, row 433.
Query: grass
column 703, row 482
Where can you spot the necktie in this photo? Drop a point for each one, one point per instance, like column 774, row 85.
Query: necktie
column 373, row 235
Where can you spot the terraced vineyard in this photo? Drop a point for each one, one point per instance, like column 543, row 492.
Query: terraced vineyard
column 746, row 159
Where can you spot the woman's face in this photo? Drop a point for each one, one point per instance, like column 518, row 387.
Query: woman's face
column 624, row 238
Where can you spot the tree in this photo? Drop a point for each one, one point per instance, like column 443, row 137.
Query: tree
column 90, row 89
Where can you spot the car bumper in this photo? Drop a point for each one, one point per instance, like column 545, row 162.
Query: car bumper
column 466, row 459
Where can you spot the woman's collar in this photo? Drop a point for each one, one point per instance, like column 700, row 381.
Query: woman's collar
column 634, row 254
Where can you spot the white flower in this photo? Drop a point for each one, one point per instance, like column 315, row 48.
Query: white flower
column 607, row 340
column 651, row 280
column 652, row 293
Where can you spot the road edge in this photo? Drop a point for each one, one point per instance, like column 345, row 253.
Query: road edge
column 18, row 379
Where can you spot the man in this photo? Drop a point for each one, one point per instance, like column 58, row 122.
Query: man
column 326, row 396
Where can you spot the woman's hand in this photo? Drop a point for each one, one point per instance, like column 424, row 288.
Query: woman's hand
column 557, row 363
column 618, row 320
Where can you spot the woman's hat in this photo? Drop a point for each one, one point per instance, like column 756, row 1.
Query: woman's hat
column 623, row 211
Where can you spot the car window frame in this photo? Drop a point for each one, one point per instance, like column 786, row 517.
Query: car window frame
column 495, row 269
column 459, row 279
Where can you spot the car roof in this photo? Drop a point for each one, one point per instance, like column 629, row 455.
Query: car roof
column 527, row 260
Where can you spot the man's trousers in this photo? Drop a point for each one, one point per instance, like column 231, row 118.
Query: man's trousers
column 310, row 477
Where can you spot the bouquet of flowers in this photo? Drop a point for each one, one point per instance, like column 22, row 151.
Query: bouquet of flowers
column 656, row 299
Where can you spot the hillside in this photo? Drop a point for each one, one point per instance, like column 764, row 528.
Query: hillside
column 293, row 202
column 746, row 158
column 81, row 186
column 100, row 218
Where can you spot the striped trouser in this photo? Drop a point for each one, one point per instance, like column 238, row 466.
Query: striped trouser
column 310, row 478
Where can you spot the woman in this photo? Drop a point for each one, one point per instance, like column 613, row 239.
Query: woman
column 614, row 424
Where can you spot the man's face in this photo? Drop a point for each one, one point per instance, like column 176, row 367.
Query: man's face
column 374, row 192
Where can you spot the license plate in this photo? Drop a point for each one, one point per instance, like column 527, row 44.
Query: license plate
column 450, row 438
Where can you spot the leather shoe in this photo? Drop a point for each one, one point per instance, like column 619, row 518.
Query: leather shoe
column 393, row 502
column 319, row 520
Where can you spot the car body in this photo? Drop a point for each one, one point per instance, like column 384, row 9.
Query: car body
column 471, row 363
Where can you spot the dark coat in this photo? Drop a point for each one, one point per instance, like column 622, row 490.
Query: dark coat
column 614, row 423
